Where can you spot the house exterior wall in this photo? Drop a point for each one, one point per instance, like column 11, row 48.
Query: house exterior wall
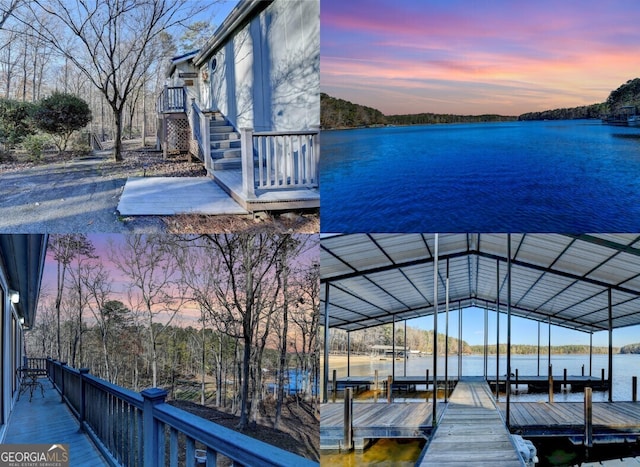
column 266, row 74
column 11, row 353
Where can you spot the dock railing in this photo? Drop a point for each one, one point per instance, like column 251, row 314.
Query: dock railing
column 172, row 99
column 276, row 160
column 136, row 429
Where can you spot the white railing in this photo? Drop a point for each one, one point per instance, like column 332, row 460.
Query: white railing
column 273, row 160
column 172, row 99
column 199, row 122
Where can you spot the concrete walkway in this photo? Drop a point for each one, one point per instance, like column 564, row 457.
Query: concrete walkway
column 144, row 196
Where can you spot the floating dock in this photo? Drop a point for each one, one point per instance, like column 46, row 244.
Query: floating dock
column 372, row 421
column 471, row 431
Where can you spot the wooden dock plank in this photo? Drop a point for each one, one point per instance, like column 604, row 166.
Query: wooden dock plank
column 373, row 420
column 471, row 431
column 568, row 417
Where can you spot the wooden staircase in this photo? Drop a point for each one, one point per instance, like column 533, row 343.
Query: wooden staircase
column 225, row 150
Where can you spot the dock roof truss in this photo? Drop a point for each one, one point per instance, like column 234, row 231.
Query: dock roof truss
column 375, row 278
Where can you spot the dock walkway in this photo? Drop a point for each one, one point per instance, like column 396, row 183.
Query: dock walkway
column 471, row 431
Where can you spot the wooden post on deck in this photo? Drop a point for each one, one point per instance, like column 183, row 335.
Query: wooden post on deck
column 516, row 378
column 83, row 398
column 634, row 388
column 150, row 426
column 334, row 383
column 582, row 370
column 602, row 374
column 375, row 392
column 564, row 379
column 248, row 177
column 426, row 387
column 348, row 419
column 550, row 385
column 588, row 418
column 389, row 382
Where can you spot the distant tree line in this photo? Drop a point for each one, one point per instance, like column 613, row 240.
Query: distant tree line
column 431, row 118
column 631, row 348
column 573, row 113
column 338, row 113
column 361, row 342
column 521, row 349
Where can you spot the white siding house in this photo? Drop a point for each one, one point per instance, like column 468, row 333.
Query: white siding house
column 251, row 101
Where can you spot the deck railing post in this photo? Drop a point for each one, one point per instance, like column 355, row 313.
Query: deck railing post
column 634, row 388
column 564, row 380
column 588, row 418
column 334, row 384
column 248, row 175
column 583, row 370
column 62, row 365
column 83, row 398
column 550, row 384
column 375, row 392
column 348, row 418
column 389, row 390
column 426, row 390
column 516, row 378
column 602, row 374
column 152, row 397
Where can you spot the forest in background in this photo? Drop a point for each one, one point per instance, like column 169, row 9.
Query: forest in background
column 235, row 313
column 338, row 113
column 361, row 342
column 114, row 55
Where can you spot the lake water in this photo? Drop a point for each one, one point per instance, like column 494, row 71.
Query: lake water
column 554, row 176
column 625, row 366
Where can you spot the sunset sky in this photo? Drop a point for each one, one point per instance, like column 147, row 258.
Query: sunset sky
column 474, row 57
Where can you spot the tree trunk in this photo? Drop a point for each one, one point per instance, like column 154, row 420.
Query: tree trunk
column 117, row 142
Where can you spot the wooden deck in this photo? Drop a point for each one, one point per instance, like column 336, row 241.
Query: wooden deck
column 46, row 420
column 374, row 421
column 266, row 200
column 610, row 419
column 471, row 431
column 157, row 196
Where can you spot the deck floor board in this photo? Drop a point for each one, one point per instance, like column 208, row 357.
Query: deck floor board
column 46, row 420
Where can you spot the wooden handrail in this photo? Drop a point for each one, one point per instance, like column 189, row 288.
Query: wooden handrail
column 121, row 410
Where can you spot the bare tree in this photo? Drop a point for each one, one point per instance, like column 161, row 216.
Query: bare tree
column 155, row 291
column 111, row 37
column 64, row 249
column 7, row 8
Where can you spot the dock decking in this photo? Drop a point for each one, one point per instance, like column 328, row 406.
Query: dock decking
column 471, row 431
column 374, row 421
column 567, row 418
column 46, row 420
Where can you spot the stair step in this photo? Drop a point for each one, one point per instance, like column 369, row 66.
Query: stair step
column 221, row 129
column 225, row 144
column 226, row 153
column 216, row 123
column 227, row 164
column 223, row 136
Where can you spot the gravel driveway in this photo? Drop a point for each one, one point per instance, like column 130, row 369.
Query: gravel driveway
column 73, row 196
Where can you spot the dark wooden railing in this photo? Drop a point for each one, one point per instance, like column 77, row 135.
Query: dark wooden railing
column 172, row 99
column 142, row 429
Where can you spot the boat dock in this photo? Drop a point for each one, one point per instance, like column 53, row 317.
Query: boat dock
column 471, row 431
column 371, row 421
column 610, row 420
